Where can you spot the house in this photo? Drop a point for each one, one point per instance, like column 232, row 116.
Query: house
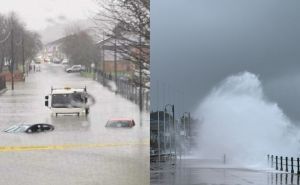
column 110, row 51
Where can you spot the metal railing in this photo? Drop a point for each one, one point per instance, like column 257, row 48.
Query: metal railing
column 169, row 137
column 126, row 89
column 286, row 164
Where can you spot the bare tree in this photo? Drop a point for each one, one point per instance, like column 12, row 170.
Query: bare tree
column 128, row 22
column 14, row 36
column 80, row 48
column 31, row 44
column 4, row 36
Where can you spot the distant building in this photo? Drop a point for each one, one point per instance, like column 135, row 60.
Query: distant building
column 52, row 50
column 106, row 63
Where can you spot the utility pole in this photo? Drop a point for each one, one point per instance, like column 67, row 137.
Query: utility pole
column 140, row 71
column 23, row 57
column 158, row 136
column 173, row 135
column 103, row 61
column 189, row 124
column 12, row 59
column 115, row 59
column 175, row 131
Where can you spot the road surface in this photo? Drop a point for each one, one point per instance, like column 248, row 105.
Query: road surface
column 80, row 150
column 205, row 172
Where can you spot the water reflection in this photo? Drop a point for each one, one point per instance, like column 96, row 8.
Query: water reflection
column 283, row 178
column 70, row 123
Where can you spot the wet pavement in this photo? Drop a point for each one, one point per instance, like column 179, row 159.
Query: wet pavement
column 206, row 172
column 80, row 150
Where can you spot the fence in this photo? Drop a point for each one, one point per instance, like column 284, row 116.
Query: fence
column 125, row 88
column 169, row 137
column 2, row 82
column 284, row 163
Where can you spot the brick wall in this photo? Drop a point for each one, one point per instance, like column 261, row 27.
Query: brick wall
column 18, row 76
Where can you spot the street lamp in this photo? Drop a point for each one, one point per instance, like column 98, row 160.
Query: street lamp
column 93, row 69
column 173, row 114
column 12, row 59
column 115, row 54
column 23, row 57
column 115, row 59
column 184, row 116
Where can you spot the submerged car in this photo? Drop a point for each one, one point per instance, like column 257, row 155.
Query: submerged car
column 120, row 123
column 30, row 128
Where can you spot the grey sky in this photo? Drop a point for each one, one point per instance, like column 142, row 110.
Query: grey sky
column 38, row 14
column 196, row 44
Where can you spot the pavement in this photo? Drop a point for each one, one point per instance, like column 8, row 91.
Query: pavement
column 80, row 150
column 212, row 172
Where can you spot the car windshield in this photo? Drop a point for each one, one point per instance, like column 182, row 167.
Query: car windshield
column 17, row 128
column 118, row 123
column 67, row 100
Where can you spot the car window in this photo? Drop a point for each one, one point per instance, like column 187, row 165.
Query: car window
column 75, row 99
column 11, row 129
column 17, row 128
column 33, row 128
column 118, row 123
column 47, row 127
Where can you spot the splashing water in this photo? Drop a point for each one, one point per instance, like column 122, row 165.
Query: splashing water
column 237, row 120
column 112, row 86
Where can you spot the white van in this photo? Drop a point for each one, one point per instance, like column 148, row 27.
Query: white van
column 67, row 101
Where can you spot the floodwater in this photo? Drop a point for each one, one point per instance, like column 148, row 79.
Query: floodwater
column 213, row 172
column 80, row 150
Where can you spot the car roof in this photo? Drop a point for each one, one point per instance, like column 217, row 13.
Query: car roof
column 39, row 124
column 121, row 119
column 66, row 91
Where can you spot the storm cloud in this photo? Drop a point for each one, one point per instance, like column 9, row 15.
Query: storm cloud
column 197, row 44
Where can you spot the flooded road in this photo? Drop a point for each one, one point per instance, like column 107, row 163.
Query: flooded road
column 209, row 172
column 80, row 150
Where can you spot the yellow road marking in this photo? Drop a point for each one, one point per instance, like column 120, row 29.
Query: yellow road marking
column 68, row 146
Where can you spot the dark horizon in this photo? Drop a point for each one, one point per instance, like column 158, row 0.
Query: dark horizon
column 197, row 44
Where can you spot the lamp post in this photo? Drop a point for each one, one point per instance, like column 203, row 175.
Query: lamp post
column 140, row 71
column 115, row 59
column 23, row 55
column 93, row 70
column 164, row 130
column 184, row 121
column 184, row 116
column 173, row 114
column 114, row 36
column 103, row 60
column 12, row 59
column 158, row 137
